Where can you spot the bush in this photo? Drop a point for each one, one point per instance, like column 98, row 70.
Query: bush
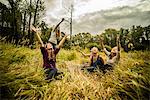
column 90, row 45
column 67, row 44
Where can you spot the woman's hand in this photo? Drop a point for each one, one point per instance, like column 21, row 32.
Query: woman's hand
column 33, row 29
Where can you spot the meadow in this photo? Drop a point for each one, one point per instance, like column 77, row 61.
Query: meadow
column 22, row 76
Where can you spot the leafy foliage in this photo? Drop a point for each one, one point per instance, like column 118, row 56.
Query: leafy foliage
column 15, row 27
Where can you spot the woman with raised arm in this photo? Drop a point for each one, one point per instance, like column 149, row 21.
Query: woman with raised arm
column 49, row 55
column 56, row 34
column 96, row 62
column 112, row 57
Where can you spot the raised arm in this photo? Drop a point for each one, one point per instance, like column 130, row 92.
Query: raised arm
column 58, row 24
column 103, row 47
column 118, row 46
column 101, row 42
column 38, row 36
column 85, row 55
column 118, row 42
column 62, row 42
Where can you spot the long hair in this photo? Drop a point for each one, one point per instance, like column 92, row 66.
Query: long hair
column 51, row 55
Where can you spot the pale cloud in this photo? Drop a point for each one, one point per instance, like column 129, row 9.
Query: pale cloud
column 97, row 5
column 5, row 2
column 95, row 16
column 118, row 17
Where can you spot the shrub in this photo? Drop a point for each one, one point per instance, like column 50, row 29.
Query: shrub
column 90, row 45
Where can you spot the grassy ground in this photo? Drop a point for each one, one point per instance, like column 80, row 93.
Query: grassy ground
column 22, row 76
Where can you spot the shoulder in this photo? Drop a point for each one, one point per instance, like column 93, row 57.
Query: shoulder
column 100, row 57
column 56, row 50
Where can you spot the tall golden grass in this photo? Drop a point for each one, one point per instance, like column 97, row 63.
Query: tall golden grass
column 22, row 74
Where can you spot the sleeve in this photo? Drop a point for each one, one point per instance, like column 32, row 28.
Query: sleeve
column 106, row 52
column 52, row 38
column 56, row 50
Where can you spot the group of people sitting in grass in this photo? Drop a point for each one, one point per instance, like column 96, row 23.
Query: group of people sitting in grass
column 97, row 62
column 55, row 42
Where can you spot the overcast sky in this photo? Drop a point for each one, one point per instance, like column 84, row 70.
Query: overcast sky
column 95, row 16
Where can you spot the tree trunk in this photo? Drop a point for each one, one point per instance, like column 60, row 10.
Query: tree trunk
column 35, row 13
column 2, row 18
column 30, row 16
column 16, row 16
column 24, row 23
column 34, row 22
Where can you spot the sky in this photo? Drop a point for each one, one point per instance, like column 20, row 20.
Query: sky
column 94, row 16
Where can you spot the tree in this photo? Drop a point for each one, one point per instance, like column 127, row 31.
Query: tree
column 109, row 37
column 81, row 39
column 34, row 11
column 16, row 19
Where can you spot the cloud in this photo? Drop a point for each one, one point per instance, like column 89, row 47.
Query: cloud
column 118, row 17
column 97, row 21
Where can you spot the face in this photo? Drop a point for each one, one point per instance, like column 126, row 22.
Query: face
column 113, row 54
column 94, row 54
column 49, row 47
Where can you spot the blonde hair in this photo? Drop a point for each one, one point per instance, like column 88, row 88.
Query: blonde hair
column 94, row 50
column 114, row 49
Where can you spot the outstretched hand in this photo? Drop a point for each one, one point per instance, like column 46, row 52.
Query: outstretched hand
column 62, row 19
column 38, row 36
column 101, row 38
column 33, row 29
column 66, row 35
column 118, row 37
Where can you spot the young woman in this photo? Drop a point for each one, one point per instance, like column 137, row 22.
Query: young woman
column 56, row 34
column 96, row 62
column 112, row 57
column 49, row 55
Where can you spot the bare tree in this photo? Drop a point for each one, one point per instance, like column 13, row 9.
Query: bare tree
column 68, row 6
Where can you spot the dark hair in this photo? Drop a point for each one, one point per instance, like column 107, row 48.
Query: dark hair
column 47, row 43
column 51, row 44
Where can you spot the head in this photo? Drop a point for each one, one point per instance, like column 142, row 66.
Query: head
column 114, row 51
column 50, row 51
column 94, row 51
column 49, row 46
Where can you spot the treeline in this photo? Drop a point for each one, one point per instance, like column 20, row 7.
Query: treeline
column 134, row 38
column 19, row 15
